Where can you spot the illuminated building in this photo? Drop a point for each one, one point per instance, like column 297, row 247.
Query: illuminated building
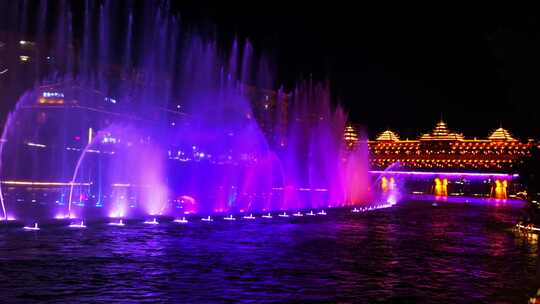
column 350, row 136
column 51, row 98
column 388, row 136
column 445, row 163
column 442, row 149
column 23, row 60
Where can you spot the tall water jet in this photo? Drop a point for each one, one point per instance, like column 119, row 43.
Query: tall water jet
column 2, row 142
column 187, row 125
column 76, row 172
column 10, row 143
column 315, row 155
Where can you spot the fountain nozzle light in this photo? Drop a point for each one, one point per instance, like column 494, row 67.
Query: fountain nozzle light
column 181, row 221
column 152, row 222
column 229, row 218
column 32, row 228
column 207, row 219
column 249, row 217
column 79, row 225
column 119, row 223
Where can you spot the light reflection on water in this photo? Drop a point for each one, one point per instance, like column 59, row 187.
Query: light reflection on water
column 413, row 252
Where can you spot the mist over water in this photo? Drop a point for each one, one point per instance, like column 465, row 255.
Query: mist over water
column 140, row 117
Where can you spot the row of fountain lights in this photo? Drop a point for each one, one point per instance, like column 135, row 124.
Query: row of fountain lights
column 183, row 220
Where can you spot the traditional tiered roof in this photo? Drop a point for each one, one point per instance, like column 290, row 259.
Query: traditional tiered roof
column 350, row 135
column 388, row 136
column 501, row 135
column 443, row 149
column 441, row 132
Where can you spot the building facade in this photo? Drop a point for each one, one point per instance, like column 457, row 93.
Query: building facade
column 445, row 163
column 443, row 149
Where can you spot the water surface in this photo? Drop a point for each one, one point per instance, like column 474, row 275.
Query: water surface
column 414, row 252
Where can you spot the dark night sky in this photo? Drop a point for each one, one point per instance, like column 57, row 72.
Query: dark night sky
column 401, row 67
column 398, row 67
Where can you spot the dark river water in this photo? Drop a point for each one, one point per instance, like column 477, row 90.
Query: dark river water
column 411, row 253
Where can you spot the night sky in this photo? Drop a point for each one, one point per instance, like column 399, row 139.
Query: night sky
column 397, row 67
column 401, row 67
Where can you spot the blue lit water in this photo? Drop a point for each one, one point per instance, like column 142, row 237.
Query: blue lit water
column 414, row 252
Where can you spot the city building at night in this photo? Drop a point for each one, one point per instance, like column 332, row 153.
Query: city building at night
column 445, row 163
column 350, row 136
column 442, row 149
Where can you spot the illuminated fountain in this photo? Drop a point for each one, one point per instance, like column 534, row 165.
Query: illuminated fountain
column 249, row 217
column 207, row 219
column 499, row 189
column 120, row 223
column 77, row 225
column 151, row 222
column 229, row 218
column 32, row 228
column 183, row 220
column 123, row 130
column 440, row 187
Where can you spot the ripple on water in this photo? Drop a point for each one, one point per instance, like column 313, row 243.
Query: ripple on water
column 409, row 253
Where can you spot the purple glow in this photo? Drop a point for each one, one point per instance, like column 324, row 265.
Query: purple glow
column 447, row 174
column 466, row 199
column 217, row 150
column 187, row 128
column 117, row 214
